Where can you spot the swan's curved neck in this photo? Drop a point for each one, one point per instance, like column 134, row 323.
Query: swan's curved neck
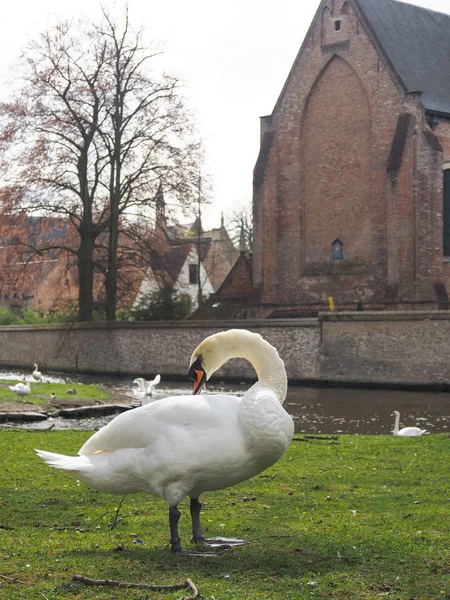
column 397, row 423
column 263, row 356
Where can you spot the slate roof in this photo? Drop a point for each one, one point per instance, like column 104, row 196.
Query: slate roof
column 231, row 299
column 417, row 42
column 171, row 261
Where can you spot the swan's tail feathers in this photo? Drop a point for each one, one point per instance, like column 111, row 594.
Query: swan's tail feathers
column 157, row 379
column 66, row 463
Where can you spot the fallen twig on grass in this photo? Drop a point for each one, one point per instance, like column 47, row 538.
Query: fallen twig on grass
column 188, row 584
column 11, row 579
column 6, row 526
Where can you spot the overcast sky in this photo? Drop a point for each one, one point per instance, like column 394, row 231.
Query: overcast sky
column 233, row 56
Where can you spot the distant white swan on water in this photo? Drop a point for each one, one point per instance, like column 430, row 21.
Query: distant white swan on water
column 405, row 431
column 145, row 389
column 151, row 384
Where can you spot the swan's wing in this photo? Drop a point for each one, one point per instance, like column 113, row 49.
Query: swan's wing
column 168, row 418
column 411, row 431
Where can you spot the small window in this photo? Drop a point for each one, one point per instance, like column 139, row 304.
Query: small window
column 337, row 250
column 193, row 273
column 337, row 25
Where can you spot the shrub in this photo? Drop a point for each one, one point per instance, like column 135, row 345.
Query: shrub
column 29, row 316
column 166, row 304
column 8, row 317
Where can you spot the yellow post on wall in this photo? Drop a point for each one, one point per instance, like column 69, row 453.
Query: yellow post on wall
column 331, row 303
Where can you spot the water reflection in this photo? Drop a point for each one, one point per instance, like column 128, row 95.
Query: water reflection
column 348, row 410
column 315, row 410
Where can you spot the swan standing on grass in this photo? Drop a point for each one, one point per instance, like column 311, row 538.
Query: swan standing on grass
column 36, row 374
column 405, row 431
column 186, row 445
column 21, row 389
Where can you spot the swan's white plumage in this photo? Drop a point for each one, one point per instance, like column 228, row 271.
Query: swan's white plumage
column 185, row 445
column 145, row 388
column 151, row 384
column 406, row 431
column 140, row 391
column 36, row 374
column 21, row 389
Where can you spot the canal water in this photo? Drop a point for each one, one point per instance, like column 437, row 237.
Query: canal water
column 325, row 410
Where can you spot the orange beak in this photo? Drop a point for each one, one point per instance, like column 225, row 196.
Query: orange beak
column 200, row 378
column 197, row 375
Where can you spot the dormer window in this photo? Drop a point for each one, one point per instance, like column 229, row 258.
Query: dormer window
column 337, row 249
column 337, row 25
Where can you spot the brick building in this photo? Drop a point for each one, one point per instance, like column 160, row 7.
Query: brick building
column 352, row 182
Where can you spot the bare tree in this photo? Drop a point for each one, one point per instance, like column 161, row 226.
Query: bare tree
column 240, row 226
column 90, row 134
column 145, row 138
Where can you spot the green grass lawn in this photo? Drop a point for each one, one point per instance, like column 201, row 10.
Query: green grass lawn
column 367, row 517
column 40, row 393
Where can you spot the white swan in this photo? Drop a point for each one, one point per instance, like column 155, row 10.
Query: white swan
column 186, row 445
column 36, row 374
column 140, row 391
column 405, row 431
column 21, row 389
column 150, row 385
column 145, row 388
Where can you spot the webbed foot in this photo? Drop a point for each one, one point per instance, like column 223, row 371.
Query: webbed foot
column 223, row 542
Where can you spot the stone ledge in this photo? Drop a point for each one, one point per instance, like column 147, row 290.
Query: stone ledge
column 413, row 315
column 22, row 416
column 145, row 325
column 98, row 410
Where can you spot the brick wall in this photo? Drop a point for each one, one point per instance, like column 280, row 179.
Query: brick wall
column 384, row 348
column 148, row 348
column 351, row 156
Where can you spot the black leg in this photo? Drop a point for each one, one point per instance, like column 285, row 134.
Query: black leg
column 174, row 517
column 197, row 533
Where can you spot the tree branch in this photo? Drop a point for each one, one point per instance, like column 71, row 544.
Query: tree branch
column 188, row 584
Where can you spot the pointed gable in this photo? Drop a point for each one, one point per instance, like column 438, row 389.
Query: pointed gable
column 239, row 280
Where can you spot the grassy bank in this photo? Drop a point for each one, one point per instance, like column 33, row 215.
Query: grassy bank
column 40, row 393
column 366, row 517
